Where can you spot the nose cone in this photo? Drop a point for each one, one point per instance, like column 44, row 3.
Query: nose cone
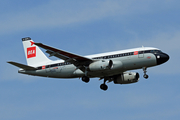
column 162, row 58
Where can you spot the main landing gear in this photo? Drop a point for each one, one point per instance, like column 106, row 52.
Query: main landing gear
column 145, row 71
column 104, row 86
column 85, row 79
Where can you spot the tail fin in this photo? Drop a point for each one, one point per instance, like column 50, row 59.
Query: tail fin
column 34, row 55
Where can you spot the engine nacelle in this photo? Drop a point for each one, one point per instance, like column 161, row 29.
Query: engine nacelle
column 126, row 78
column 101, row 65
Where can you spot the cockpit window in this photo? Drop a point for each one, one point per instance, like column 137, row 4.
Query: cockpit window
column 157, row 51
column 153, row 51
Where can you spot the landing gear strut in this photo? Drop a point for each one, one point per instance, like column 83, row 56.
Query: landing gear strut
column 104, row 86
column 85, row 78
column 145, row 75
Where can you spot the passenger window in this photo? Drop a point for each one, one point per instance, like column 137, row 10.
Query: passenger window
column 141, row 52
column 39, row 68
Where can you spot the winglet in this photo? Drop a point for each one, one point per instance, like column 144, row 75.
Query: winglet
column 25, row 67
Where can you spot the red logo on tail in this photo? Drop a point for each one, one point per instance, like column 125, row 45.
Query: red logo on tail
column 31, row 52
column 32, row 43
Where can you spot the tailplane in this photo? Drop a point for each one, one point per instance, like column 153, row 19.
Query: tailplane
column 25, row 67
column 34, row 55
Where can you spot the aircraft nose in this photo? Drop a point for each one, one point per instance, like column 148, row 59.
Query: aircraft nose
column 162, row 58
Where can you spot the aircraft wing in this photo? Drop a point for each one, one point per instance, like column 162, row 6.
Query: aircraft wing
column 77, row 60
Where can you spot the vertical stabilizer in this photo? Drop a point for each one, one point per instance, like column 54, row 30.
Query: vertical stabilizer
column 34, row 55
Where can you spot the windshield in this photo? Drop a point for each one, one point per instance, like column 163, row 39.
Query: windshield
column 152, row 51
column 155, row 51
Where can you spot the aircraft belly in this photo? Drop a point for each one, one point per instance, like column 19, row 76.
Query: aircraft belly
column 56, row 72
column 66, row 72
column 78, row 73
column 104, row 73
column 41, row 73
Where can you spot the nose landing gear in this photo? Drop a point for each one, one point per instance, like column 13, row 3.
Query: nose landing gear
column 145, row 71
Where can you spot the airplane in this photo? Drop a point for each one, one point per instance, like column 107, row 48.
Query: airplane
column 111, row 66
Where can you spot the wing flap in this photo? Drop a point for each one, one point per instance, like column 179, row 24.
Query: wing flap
column 25, row 67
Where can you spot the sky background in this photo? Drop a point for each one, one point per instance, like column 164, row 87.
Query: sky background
column 84, row 28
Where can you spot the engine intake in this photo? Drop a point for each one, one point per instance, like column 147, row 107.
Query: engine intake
column 101, row 65
column 126, row 78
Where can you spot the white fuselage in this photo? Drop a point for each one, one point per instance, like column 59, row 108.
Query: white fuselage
column 122, row 61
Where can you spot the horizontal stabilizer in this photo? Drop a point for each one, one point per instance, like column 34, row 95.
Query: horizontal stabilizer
column 25, row 67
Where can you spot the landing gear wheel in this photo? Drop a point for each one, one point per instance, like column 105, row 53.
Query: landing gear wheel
column 146, row 76
column 104, row 87
column 85, row 79
column 145, row 71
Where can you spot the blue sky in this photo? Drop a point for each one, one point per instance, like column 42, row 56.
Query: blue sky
column 84, row 28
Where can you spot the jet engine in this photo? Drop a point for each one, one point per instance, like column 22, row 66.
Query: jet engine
column 101, row 65
column 126, row 78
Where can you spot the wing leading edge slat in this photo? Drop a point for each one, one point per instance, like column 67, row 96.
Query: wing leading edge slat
column 79, row 61
column 61, row 53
